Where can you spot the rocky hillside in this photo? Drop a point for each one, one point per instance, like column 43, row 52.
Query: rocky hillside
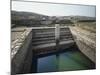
column 26, row 15
column 29, row 18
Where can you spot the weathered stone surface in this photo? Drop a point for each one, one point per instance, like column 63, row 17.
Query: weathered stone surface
column 86, row 42
column 21, row 54
column 52, row 41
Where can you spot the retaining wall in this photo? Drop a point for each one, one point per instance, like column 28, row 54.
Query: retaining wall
column 21, row 55
column 86, row 42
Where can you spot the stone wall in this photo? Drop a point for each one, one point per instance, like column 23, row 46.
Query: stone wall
column 21, row 54
column 86, row 42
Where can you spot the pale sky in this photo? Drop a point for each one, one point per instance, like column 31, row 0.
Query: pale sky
column 54, row 9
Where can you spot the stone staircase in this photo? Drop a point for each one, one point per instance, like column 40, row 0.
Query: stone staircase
column 44, row 41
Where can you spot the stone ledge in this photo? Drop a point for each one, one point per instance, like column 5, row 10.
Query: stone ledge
column 86, row 44
column 16, row 44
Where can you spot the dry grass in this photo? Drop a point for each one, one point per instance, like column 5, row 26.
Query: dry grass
column 90, row 26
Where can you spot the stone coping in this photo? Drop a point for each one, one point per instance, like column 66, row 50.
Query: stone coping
column 16, row 44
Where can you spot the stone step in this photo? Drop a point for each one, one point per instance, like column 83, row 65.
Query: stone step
column 43, row 30
column 66, row 39
column 42, row 42
column 44, row 33
column 48, row 41
column 43, row 36
column 52, row 33
column 52, row 45
column 66, row 36
column 51, row 38
column 50, row 30
column 64, row 29
column 43, row 39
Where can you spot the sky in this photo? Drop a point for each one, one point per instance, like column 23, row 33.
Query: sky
column 54, row 9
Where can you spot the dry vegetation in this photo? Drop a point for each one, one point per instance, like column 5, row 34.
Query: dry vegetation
column 90, row 26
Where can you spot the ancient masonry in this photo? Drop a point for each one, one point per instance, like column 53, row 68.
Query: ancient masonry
column 38, row 40
column 42, row 40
